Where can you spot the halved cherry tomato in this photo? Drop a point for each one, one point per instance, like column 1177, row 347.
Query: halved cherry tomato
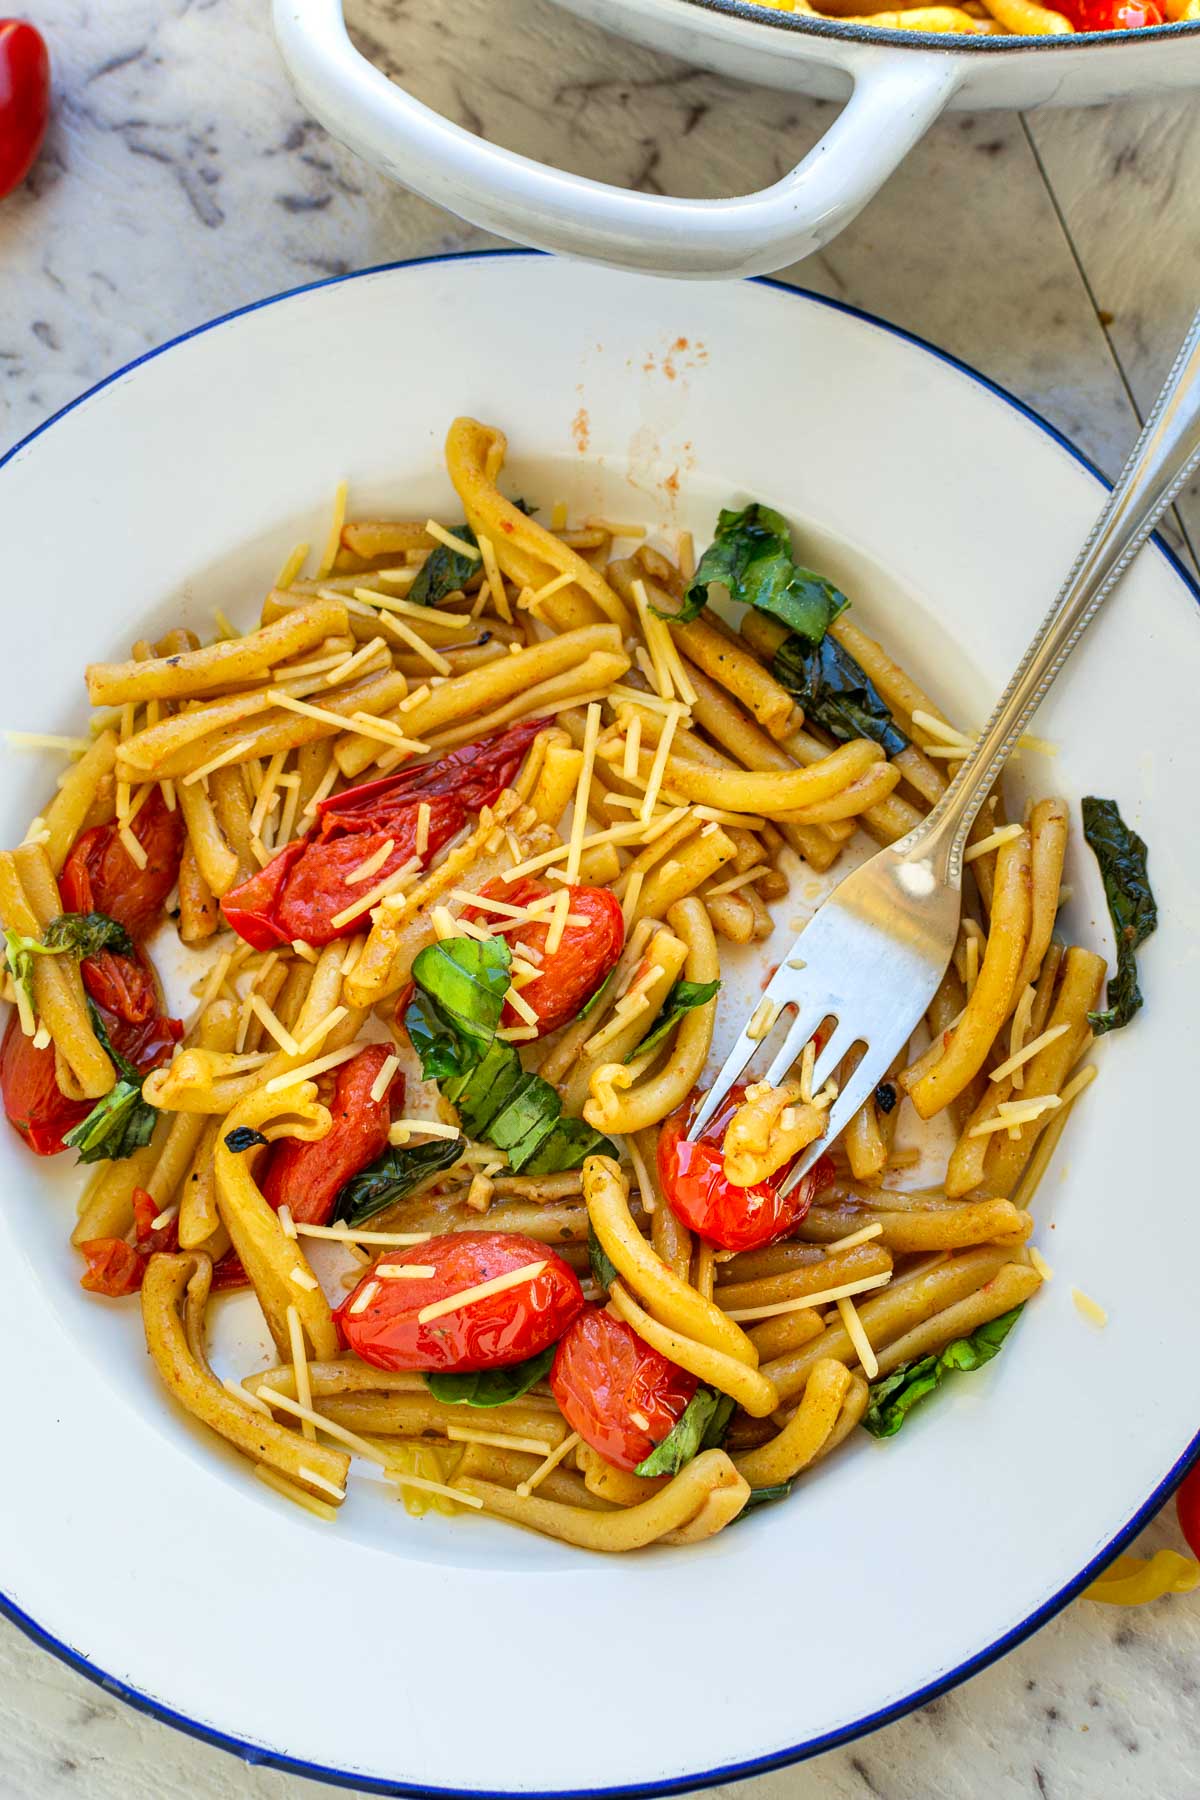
column 34, row 1104
column 603, row 1374
column 585, row 954
column 114, row 1266
column 1187, row 1508
column 699, row 1192
column 24, row 100
column 1112, row 15
column 303, row 889
column 309, row 1177
column 100, row 875
column 380, row 1319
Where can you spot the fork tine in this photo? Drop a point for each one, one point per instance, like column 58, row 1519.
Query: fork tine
column 856, row 1091
column 808, row 1016
column 731, row 1068
column 845, row 1034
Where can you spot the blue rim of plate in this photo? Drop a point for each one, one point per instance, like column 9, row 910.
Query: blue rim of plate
column 777, row 1759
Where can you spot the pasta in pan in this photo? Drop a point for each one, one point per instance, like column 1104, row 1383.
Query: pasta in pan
column 466, row 825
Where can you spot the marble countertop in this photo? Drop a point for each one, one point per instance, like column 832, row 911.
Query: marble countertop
column 1054, row 251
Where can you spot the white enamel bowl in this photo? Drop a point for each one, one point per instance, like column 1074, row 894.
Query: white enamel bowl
column 462, row 1655
column 895, row 83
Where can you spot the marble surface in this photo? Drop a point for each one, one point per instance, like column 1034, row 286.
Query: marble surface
column 1056, row 253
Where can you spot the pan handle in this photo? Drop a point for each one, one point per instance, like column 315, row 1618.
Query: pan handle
column 897, row 95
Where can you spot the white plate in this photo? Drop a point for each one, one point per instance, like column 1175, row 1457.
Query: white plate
column 463, row 1655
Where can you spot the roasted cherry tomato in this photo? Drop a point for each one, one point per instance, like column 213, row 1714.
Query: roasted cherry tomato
column 304, row 888
column 585, row 954
column 699, row 1192
column 1187, row 1508
column 381, row 1321
column 114, row 1266
column 34, row 1104
column 308, row 1177
column 621, row 1396
column 24, row 100
column 1112, row 15
column 100, row 875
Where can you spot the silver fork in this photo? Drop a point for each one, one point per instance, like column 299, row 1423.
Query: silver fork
column 871, row 958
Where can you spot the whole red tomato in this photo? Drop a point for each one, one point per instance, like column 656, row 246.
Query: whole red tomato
column 24, row 100
column 381, row 1322
column 100, row 875
column 1187, row 1508
column 585, row 954
column 701, row 1194
column 618, row 1393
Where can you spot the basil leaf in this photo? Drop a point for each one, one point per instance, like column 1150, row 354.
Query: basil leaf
column 835, row 692
column 763, row 1496
column 244, row 1138
column 400, row 1171
column 894, row 1396
column 486, row 1089
column 682, row 998
column 684, row 1438
column 87, row 934
column 1121, row 855
column 593, row 998
column 491, row 1387
column 751, row 555
column 117, row 1125
column 121, row 1064
column 468, row 979
column 19, row 953
column 566, row 1147
column 445, row 571
column 718, row 1426
column 604, row 1272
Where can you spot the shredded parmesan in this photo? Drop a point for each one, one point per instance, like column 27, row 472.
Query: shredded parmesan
column 424, row 814
column 853, row 1327
column 383, row 1080
column 499, row 1440
column 390, row 885
column 938, row 728
column 413, row 639
column 824, row 1298
column 134, row 849
column 583, row 790
column 1003, row 834
column 309, row 1071
column 499, row 1284
column 303, row 1279
column 1029, row 1050
column 1039, row 1264
column 762, row 1019
column 659, row 765
column 558, row 921
column 855, row 1238
column 402, row 1129
column 405, row 1271
column 344, row 1234
column 320, row 1032
column 233, row 754
column 1090, row 1309
column 735, row 882
column 274, row 1026
column 525, row 1488
column 459, row 545
column 370, row 865
column 300, row 1369
column 45, row 740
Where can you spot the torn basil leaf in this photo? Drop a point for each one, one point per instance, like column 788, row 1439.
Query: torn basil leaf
column 87, row 934
column 1122, row 856
column 445, row 571
column 717, row 1428
column 835, row 692
column 491, row 1387
column 604, row 1271
column 763, row 1496
column 894, row 1396
column 243, row 1138
column 117, row 1125
column 468, row 980
column 682, row 998
column 399, row 1172
column 566, row 1147
column 684, row 1438
column 751, row 555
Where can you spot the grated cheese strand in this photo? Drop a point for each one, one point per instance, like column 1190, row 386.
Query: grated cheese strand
column 825, row 1298
column 484, row 1290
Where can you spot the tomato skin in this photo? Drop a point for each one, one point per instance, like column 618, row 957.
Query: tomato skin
column 585, row 954
column 34, row 1104
column 303, row 889
column 115, row 1267
column 24, row 100
column 308, row 1177
column 1112, row 15
column 485, row 1334
column 603, row 1372
column 699, row 1193
column 1187, row 1508
column 100, row 875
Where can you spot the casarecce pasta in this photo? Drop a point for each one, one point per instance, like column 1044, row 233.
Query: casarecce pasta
column 466, row 824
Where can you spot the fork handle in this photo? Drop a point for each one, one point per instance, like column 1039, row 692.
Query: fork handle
column 1161, row 461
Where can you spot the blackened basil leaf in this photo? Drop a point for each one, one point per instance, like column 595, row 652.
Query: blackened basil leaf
column 684, row 1438
column 1121, row 855
column 604, row 1272
column 244, row 1138
column 87, row 934
column 886, row 1096
column 566, row 1147
column 894, row 1396
column 682, row 998
column 445, row 571
column 468, row 979
column 718, row 1426
column 117, row 1125
column 751, row 555
column 400, row 1171
column 491, row 1387
column 835, row 692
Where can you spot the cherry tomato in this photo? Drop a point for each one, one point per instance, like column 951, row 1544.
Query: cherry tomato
column 303, row 889
column 309, row 1177
column 699, row 1192
column 505, row 1327
column 603, row 1374
column 585, row 954
column 34, row 1104
column 24, row 100
column 114, row 1266
column 1112, row 15
column 1187, row 1508
column 100, row 875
